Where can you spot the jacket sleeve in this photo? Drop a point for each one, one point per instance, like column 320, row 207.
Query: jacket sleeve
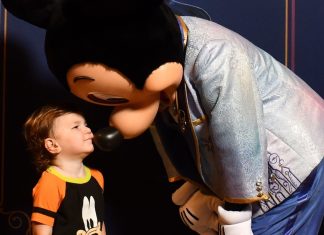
column 227, row 87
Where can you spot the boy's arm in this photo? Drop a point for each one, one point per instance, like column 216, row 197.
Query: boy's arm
column 41, row 229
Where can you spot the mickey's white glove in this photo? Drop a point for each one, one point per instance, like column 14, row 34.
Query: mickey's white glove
column 197, row 211
column 235, row 222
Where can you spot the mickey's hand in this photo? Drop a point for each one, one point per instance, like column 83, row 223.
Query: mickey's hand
column 197, row 211
column 235, row 222
column 108, row 138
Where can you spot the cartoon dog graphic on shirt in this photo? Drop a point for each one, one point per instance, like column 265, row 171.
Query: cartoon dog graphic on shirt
column 89, row 216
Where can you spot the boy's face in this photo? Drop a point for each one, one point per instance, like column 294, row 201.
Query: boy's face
column 73, row 136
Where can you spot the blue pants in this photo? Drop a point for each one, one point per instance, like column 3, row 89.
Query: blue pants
column 300, row 214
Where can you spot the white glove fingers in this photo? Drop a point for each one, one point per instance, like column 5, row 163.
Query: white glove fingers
column 235, row 222
column 243, row 228
column 188, row 218
column 234, row 217
column 182, row 194
column 192, row 222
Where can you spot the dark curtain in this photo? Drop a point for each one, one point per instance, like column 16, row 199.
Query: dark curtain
column 137, row 193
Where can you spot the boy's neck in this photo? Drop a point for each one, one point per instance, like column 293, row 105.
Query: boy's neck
column 74, row 169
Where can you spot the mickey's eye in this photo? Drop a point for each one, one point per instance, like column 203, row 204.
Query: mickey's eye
column 79, row 78
column 106, row 99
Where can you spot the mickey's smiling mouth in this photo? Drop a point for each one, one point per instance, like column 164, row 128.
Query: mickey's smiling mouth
column 106, row 99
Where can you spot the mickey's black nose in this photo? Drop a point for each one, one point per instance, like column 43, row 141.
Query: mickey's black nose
column 107, row 138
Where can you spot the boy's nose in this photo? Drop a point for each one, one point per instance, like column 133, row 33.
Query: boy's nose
column 87, row 130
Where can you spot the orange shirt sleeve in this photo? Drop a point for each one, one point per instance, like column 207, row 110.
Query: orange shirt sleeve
column 48, row 194
column 98, row 176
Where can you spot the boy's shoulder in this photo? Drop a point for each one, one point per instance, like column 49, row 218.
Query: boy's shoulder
column 48, row 177
column 48, row 183
column 98, row 176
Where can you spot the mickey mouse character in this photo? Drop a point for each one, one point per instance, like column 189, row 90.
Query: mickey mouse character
column 243, row 131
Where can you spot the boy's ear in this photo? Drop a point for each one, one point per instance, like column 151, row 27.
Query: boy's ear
column 52, row 146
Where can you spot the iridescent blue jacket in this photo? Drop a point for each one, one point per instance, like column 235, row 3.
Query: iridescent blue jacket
column 256, row 129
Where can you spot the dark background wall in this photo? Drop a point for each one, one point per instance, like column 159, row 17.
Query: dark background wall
column 137, row 192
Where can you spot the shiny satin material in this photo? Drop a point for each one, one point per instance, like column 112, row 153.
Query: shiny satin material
column 264, row 127
column 302, row 213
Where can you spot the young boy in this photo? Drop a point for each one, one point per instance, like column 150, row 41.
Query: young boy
column 68, row 198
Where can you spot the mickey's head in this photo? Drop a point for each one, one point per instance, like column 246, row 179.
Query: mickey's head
column 133, row 37
column 127, row 54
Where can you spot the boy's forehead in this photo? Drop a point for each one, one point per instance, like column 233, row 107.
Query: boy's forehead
column 69, row 118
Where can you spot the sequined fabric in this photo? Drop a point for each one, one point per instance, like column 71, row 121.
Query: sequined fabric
column 253, row 108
